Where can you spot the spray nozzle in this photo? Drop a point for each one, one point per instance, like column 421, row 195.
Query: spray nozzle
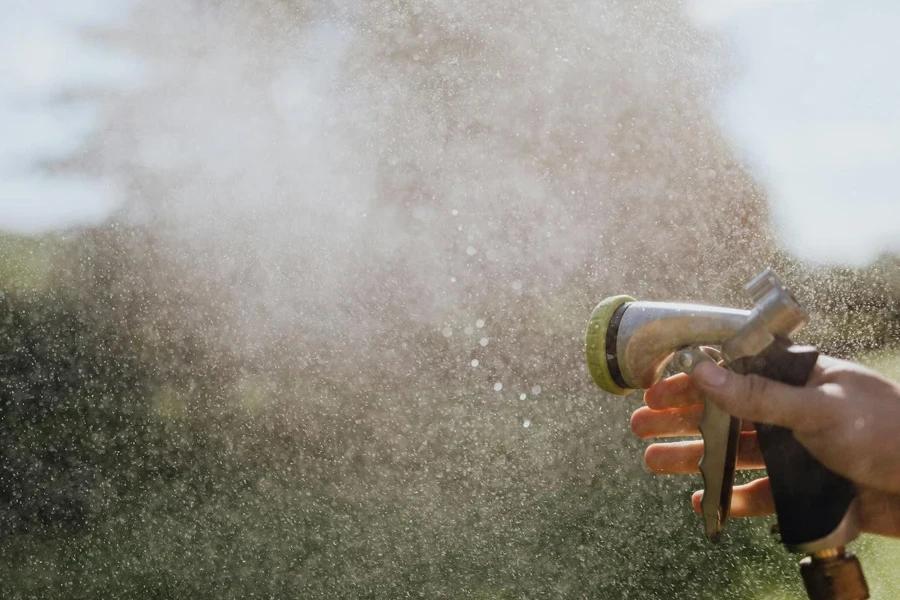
column 628, row 345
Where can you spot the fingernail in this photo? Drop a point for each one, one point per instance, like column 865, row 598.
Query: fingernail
column 709, row 374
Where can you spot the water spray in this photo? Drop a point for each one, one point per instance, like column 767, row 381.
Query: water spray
column 630, row 344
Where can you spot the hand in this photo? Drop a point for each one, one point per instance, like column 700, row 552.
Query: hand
column 847, row 416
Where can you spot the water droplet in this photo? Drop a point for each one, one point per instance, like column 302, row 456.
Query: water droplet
column 469, row 330
column 526, row 423
column 522, row 396
column 517, row 285
column 453, row 280
column 474, row 362
column 498, row 386
column 447, row 331
column 471, row 251
column 479, row 323
column 454, row 212
column 536, row 390
column 483, row 341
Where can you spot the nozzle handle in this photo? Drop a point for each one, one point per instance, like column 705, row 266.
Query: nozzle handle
column 815, row 506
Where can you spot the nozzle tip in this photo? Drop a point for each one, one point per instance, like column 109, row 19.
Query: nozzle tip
column 595, row 347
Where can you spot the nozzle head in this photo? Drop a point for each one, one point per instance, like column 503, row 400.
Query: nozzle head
column 595, row 344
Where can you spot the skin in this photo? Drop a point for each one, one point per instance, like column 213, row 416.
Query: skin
column 847, row 416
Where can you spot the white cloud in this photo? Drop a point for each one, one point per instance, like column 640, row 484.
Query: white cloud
column 43, row 203
column 44, row 64
column 815, row 108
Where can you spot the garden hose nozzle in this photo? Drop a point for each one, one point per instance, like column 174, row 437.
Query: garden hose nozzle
column 629, row 345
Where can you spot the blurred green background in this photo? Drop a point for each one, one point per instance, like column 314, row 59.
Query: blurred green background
column 138, row 461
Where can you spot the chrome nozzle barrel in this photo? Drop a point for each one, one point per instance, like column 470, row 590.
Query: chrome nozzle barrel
column 628, row 343
column 632, row 342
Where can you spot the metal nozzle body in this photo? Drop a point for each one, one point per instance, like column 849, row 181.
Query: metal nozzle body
column 649, row 333
column 643, row 336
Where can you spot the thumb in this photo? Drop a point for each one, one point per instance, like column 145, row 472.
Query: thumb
column 755, row 398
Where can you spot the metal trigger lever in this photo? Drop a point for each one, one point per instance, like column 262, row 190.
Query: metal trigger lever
column 721, row 435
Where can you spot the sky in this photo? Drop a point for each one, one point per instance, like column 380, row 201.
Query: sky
column 813, row 107
column 47, row 71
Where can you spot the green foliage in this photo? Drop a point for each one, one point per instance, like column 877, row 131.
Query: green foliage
column 140, row 460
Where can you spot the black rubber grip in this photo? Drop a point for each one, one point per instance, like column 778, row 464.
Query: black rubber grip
column 810, row 500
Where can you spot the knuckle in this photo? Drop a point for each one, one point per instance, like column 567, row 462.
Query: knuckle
column 754, row 391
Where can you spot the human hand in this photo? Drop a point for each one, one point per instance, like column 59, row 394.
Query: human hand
column 847, row 416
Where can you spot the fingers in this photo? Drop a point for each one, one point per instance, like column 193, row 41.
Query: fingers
column 676, row 458
column 676, row 391
column 759, row 399
column 649, row 423
column 751, row 500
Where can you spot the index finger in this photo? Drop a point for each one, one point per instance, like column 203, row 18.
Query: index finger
column 673, row 392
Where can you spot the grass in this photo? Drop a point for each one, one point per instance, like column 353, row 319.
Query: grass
column 28, row 262
column 312, row 518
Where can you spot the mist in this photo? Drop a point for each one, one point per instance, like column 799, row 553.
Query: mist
column 337, row 169
column 340, row 277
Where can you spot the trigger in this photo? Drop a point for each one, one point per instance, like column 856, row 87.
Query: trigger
column 721, row 435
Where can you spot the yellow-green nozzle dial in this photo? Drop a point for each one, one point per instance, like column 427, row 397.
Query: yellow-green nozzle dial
column 595, row 344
